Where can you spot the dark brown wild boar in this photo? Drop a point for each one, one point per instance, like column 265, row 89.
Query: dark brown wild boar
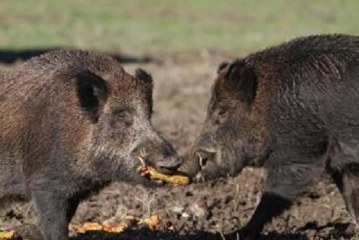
column 71, row 122
column 292, row 109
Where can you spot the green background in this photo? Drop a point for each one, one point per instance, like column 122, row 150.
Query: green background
column 169, row 26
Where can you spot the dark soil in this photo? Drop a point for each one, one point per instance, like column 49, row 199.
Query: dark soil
column 200, row 211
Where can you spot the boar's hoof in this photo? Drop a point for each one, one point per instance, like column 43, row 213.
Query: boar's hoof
column 27, row 231
column 169, row 166
column 351, row 230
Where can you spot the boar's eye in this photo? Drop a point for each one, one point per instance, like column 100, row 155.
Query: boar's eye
column 122, row 117
column 220, row 116
column 222, row 112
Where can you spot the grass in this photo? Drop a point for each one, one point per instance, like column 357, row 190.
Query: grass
column 167, row 26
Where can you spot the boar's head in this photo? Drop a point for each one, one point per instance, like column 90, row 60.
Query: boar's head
column 119, row 108
column 233, row 135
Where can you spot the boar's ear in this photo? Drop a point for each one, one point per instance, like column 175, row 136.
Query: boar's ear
column 145, row 77
column 241, row 78
column 92, row 92
column 222, row 66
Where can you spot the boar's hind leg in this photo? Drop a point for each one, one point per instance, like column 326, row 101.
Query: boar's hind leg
column 283, row 185
column 348, row 184
column 52, row 211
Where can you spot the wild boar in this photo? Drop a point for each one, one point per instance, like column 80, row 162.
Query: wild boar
column 71, row 122
column 291, row 109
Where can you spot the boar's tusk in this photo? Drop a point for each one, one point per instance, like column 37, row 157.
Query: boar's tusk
column 200, row 160
column 201, row 163
column 142, row 160
column 143, row 153
column 143, row 156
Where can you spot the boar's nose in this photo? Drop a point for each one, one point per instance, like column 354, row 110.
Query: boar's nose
column 169, row 165
column 204, row 156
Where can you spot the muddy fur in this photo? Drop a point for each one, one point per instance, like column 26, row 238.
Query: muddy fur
column 292, row 109
column 71, row 122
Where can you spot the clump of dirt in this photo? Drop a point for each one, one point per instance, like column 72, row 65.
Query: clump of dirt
column 199, row 211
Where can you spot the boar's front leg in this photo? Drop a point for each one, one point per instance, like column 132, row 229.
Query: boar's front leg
column 270, row 205
column 285, row 181
column 53, row 212
column 348, row 184
column 351, row 194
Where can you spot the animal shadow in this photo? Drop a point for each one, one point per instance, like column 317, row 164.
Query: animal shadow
column 147, row 234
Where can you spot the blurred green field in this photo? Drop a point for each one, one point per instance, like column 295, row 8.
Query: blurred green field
column 168, row 26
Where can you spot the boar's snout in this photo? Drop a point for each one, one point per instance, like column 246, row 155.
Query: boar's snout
column 195, row 162
column 168, row 165
column 159, row 154
column 204, row 163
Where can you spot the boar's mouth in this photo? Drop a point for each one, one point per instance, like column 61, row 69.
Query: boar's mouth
column 142, row 158
column 196, row 163
column 211, row 164
column 165, row 165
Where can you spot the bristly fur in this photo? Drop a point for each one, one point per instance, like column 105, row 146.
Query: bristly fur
column 295, row 112
column 71, row 122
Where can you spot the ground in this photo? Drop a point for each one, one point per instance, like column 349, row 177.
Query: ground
column 185, row 40
column 200, row 211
